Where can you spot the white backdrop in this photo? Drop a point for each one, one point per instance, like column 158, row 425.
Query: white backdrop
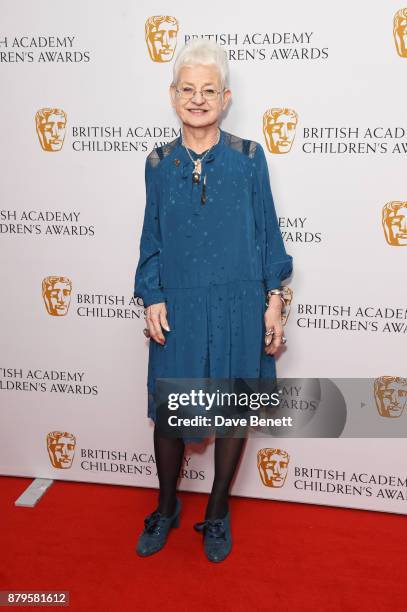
column 79, row 368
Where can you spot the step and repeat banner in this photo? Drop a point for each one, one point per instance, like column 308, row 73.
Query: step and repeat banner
column 84, row 100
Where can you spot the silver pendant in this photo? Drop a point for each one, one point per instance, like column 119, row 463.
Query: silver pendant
column 196, row 174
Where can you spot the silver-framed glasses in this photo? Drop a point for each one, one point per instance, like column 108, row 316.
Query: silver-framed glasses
column 186, row 92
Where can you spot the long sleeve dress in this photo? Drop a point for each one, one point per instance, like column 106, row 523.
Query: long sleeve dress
column 211, row 262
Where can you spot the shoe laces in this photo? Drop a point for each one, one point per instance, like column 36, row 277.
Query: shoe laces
column 213, row 528
column 153, row 522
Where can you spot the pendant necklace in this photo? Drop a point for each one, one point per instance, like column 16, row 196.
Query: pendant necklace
column 196, row 173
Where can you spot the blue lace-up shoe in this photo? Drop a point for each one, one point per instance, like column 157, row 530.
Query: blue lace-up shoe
column 217, row 537
column 155, row 532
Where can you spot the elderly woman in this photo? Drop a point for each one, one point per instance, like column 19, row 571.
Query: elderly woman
column 211, row 258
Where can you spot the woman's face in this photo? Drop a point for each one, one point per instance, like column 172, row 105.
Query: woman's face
column 197, row 111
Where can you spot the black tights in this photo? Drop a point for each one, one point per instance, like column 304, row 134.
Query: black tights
column 169, row 453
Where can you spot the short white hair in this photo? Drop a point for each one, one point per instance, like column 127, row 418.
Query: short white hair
column 201, row 51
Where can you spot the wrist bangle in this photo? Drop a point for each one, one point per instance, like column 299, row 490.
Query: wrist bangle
column 275, row 292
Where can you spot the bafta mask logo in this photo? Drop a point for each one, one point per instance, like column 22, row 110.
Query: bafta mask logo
column 61, row 449
column 279, row 126
column 288, row 298
column 56, row 293
column 400, row 31
column 51, row 125
column 161, row 37
column 390, row 394
column 272, row 464
column 394, row 221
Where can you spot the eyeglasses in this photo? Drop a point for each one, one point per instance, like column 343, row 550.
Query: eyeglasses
column 187, row 93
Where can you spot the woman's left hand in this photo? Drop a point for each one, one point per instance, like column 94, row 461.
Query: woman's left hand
column 272, row 320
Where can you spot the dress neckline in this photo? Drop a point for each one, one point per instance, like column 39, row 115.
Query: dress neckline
column 213, row 149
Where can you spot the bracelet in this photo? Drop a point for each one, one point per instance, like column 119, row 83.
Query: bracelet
column 275, row 292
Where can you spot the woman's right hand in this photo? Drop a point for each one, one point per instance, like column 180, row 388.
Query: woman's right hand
column 156, row 317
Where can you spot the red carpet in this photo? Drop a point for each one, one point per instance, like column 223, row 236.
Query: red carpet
column 286, row 556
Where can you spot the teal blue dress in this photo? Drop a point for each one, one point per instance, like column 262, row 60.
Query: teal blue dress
column 210, row 257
